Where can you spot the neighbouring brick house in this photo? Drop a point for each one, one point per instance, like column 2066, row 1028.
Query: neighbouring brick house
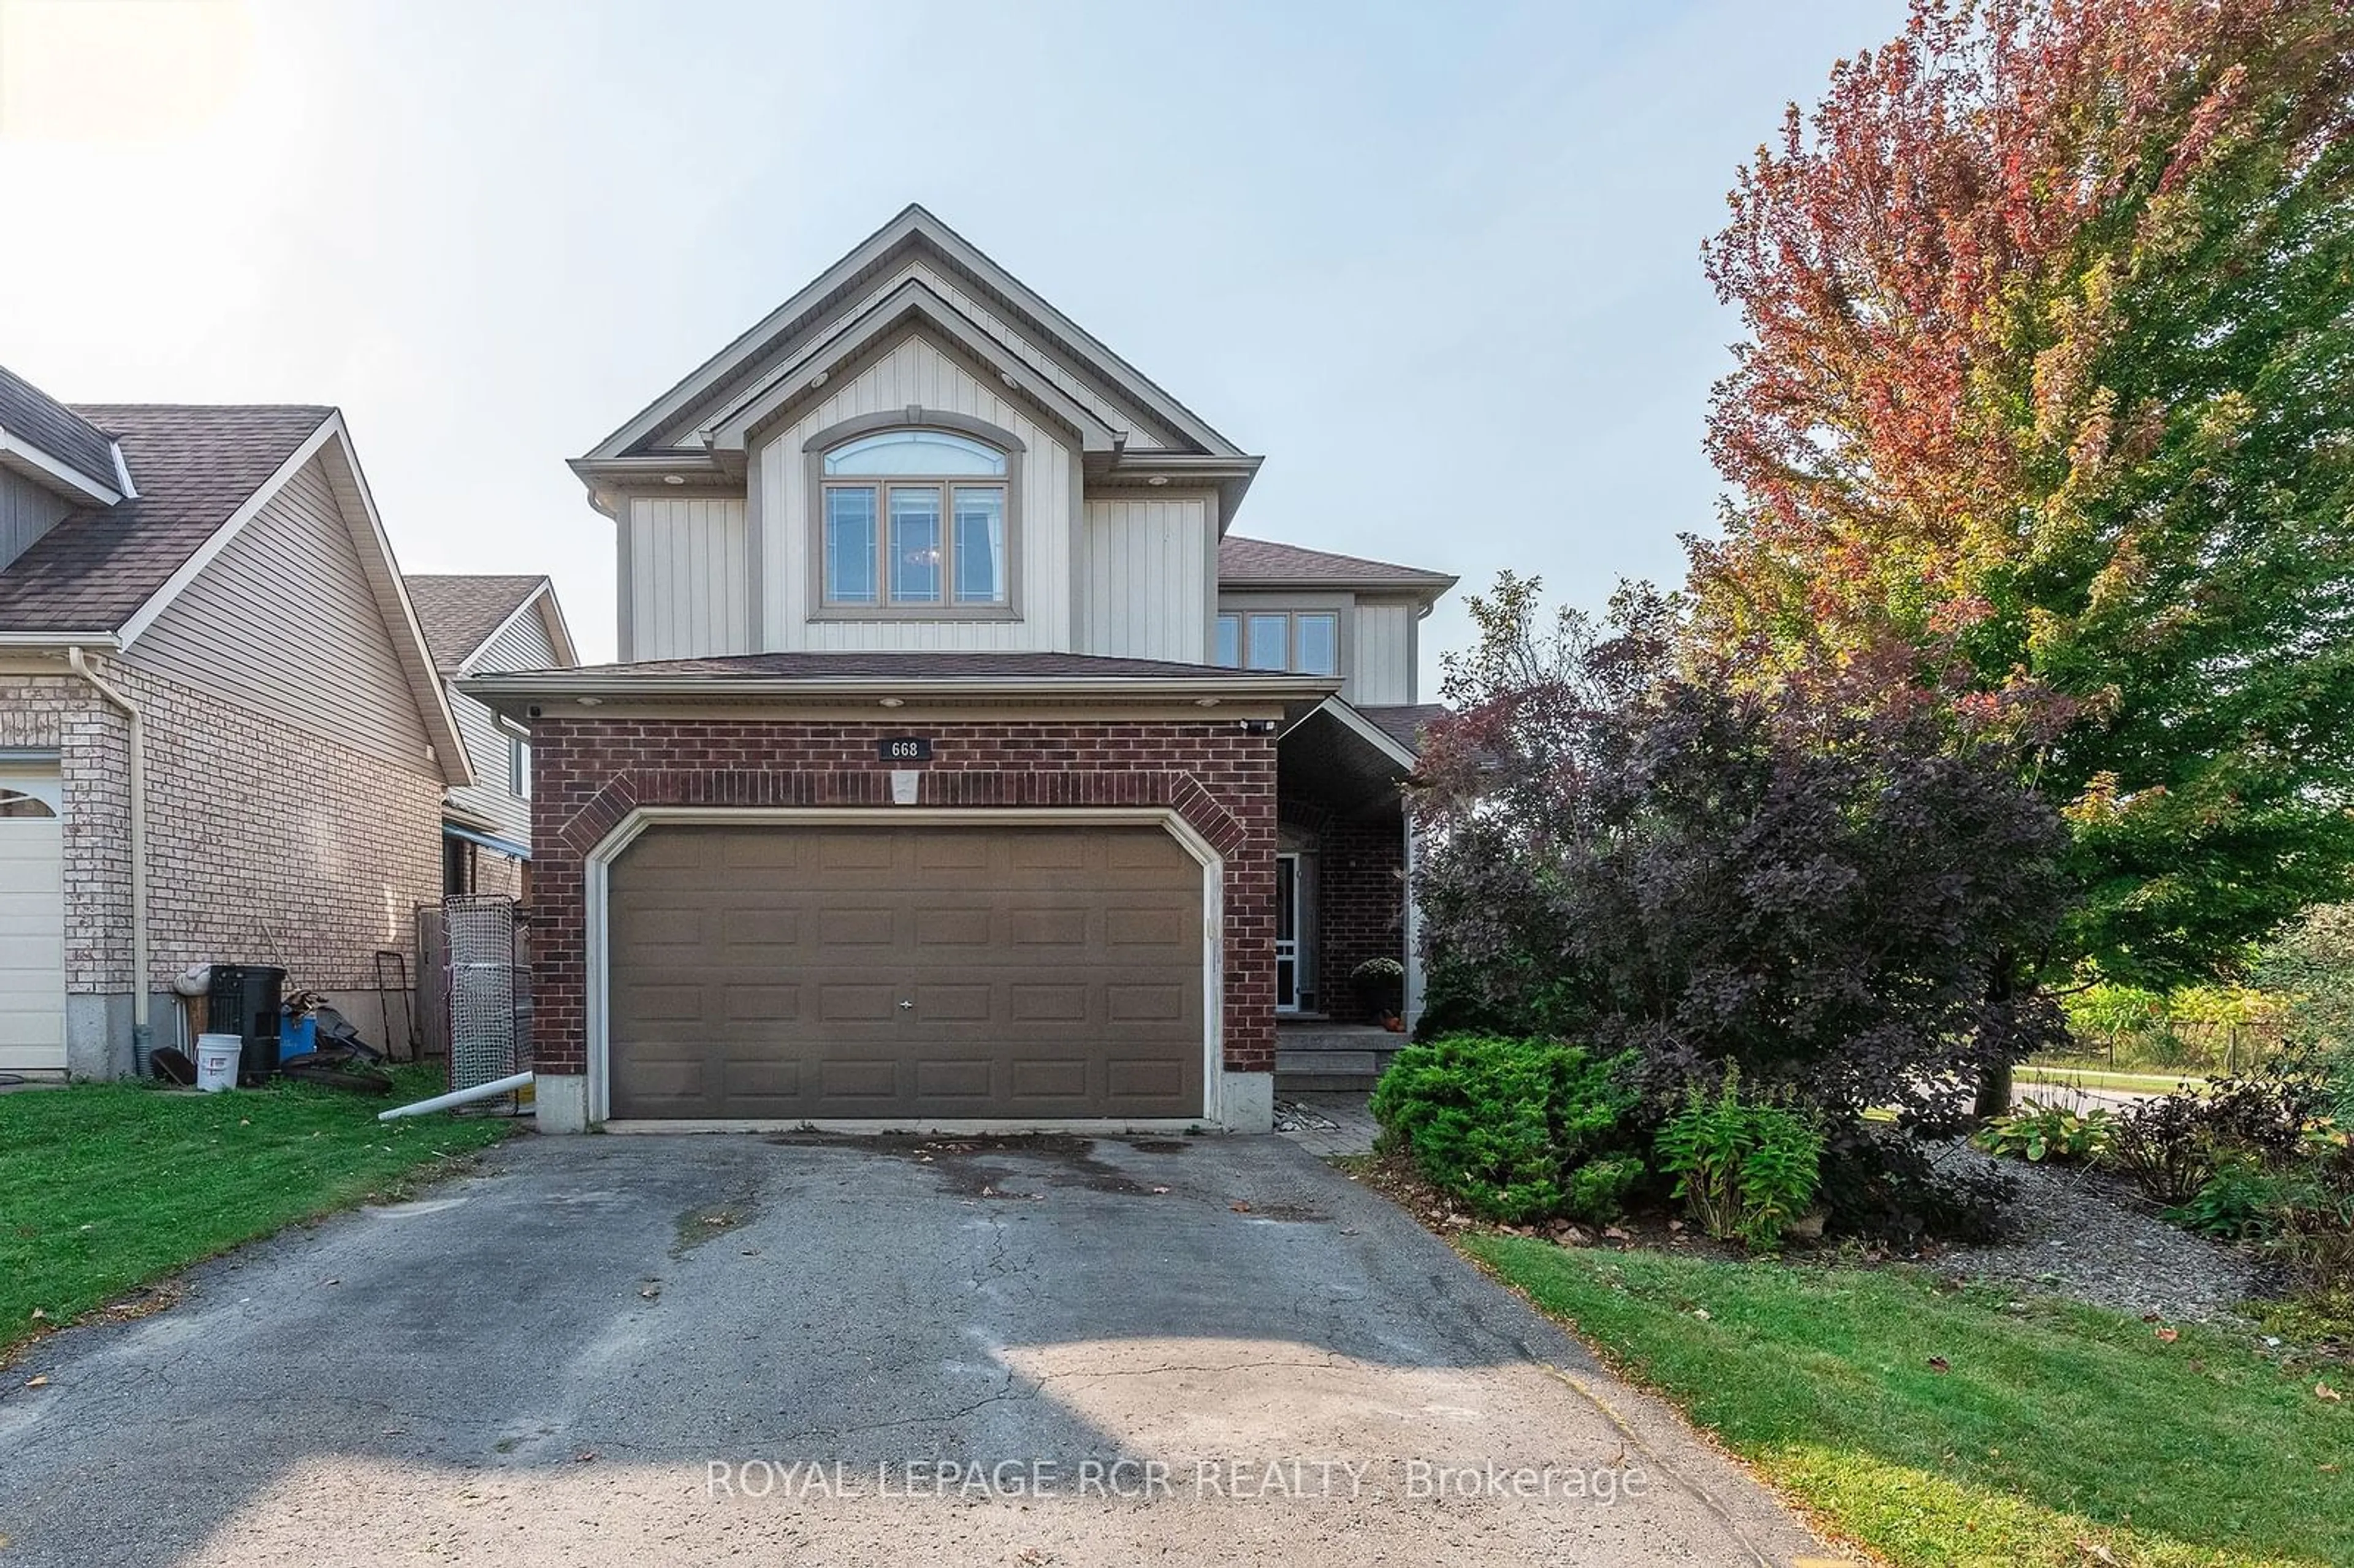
column 209, row 673
column 961, row 767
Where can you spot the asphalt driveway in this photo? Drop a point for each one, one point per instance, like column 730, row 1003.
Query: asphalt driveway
column 637, row 1350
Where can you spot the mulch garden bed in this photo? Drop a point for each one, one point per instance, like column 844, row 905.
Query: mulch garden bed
column 2076, row 1235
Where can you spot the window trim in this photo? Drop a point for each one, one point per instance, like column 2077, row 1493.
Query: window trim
column 1241, row 614
column 948, row 607
column 1332, row 615
column 518, row 765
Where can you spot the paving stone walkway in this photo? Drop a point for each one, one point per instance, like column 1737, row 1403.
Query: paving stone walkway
column 1327, row 1125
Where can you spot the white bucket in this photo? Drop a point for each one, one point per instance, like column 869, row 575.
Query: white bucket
column 217, row 1059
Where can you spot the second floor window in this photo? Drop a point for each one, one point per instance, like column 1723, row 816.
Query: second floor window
column 914, row 519
column 519, row 767
column 1300, row 643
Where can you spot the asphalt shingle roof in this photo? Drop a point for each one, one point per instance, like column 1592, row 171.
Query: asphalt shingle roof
column 39, row 419
column 1263, row 560
column 459, row 611
column 192, row 467
column 1403, row 722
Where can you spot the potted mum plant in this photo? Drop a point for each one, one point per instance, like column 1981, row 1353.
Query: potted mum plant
column 1380, row 985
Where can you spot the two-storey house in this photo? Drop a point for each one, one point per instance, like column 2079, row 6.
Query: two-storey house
column 961, row 767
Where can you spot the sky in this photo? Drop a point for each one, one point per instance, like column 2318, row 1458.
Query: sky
column 1440, row 264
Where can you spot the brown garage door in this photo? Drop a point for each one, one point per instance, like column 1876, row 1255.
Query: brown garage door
column 774, row 973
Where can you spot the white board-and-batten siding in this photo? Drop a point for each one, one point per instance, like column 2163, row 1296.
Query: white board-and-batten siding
column 1383, row 671
column 1146, row 580
column 685, row 579
column 916, row 371
column 283, row 622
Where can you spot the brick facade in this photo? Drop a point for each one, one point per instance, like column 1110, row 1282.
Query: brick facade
column 587, row 775
column 264, row 846
column 62, row 713
column 1361, row 905
column 1359, row 897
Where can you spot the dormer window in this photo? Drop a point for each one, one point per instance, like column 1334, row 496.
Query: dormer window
column 915, row 519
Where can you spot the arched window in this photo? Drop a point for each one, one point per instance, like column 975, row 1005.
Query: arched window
column 915, row 453
column 914, row 519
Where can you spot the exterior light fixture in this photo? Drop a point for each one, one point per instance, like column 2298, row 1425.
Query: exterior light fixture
column 893, row 702
column 673, row 478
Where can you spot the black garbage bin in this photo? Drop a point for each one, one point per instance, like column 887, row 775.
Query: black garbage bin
column 244, row 1001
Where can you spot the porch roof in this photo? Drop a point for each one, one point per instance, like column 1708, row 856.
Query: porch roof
column 1336, row 755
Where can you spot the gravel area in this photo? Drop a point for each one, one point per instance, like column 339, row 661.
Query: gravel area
column 2080, row 1236
column 1293, row 1116
column 1326, row 1125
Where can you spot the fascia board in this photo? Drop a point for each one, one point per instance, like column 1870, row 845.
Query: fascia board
column 912, row 300
column 59, row 473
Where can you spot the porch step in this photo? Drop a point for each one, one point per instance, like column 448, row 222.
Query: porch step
column 1290, row 1084
column 1366, row 1062
column 1317, row 1057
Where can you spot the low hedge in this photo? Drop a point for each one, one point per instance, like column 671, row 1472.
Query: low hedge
column 1516, row 1129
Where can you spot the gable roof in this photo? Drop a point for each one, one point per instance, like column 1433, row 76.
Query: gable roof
column 1050, row 360
column 196, row 467
column 460, row 612
column 103, row 576
column 801, row 370
column 1257, row 563
column 68, row 452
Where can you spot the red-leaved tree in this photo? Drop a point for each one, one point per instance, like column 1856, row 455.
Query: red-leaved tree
column 2048, row 378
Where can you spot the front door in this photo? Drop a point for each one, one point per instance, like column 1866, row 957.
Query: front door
column 1290, row 932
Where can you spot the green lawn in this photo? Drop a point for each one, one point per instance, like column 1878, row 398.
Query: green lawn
column 105, row 1186
column 2059, row 1433
column 2105, row 1078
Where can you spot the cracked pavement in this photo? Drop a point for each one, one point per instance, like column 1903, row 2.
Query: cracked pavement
column 690, row 1348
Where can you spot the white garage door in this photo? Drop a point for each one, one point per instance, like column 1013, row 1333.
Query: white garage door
column 32, row 922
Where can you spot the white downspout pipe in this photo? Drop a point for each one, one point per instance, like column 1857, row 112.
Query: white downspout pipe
column 1412, row 1003
column 489, row 1091
column 142, row 1037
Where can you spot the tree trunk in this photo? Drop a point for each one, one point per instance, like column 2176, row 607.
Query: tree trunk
column 1994, row 1093
column 1994, row 1081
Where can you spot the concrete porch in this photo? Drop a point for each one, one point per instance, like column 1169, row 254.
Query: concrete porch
column 1316, row 1056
